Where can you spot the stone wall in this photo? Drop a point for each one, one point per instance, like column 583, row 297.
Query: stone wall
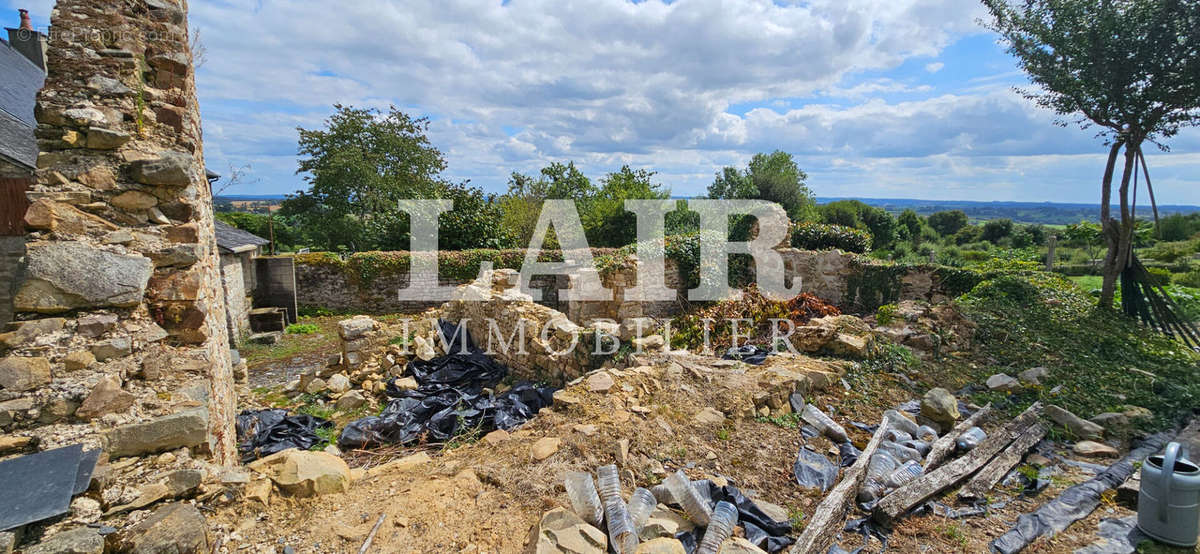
column 851, row 281
column 332, row 287
column 11, row 251
column 122, row 339
column 237, row 305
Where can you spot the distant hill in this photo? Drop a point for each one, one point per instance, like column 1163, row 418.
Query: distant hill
column 1045, row 213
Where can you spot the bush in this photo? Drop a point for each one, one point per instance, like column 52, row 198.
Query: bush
column 1189, row 279
column 820, row 236
column 1159, row 276
column 302, row 329
column 886, row 314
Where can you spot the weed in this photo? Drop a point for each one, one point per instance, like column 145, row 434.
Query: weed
column 954, row 532
column 886, row 314
column 302, row 329
column 789, row 420
column 723, row 434
column 796, row 518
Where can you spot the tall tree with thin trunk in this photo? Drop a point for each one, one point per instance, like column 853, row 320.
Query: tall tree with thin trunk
column 1130, row 68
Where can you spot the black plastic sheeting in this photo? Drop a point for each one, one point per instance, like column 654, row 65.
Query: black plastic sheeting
column 450, row 399
column 764, row 532
column 1074, row 503
column 264, row 432
column 1117, row 536
column 814, row 471
column 751, row 354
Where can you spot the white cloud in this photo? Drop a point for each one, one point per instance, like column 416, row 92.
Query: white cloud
column 934, row 67
column 608, row 82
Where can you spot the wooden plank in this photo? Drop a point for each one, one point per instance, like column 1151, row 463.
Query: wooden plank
column 927, row 486
column 944, row 446
column 827, row 520
column 996, row 469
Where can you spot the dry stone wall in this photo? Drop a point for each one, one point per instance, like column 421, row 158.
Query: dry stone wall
column 121, row 339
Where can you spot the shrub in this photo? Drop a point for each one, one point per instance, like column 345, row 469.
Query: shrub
column 886, row 314
column 1189, row 279
column 302, row 329
column 1159, row 276
column 821, row 236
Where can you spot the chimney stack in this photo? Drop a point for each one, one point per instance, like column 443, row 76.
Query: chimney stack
column 28, row 41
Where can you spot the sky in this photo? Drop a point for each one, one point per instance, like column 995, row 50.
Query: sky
column 875, row 99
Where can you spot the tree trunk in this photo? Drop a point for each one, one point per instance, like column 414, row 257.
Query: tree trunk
column 1119, row 235
column 1107, row 228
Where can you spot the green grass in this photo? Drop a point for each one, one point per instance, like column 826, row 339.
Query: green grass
column 302, row 329
column 1099, row 360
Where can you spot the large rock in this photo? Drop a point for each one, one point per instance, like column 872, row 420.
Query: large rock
column 1078, row 426
column 18, row 374
column 94, row 325
column 67, row 275
column 117, row 347
column 561, row 531
column 176, row 528
column 350, row 401
column 661, row 545
column 1002, row 382
column 26, row 331
column 1095, row 449
column 169, row 168
column 664, row 523
column 544, row 448
column 134, row 200
column 81, row 540
column 1033, row 376
column 188, row 428
column 940, row 406
column 356, row 327
column 79, row 359
column 339, row 383
column 106, row 397
column 305, row 473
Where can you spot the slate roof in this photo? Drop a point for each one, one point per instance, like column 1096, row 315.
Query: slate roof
column 19, row 84
column 231, row 240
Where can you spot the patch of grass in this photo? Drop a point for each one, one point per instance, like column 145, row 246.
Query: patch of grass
column 796, row 518
column 329, row 435
column 302, row 329
column 1099, row 360
column 954, row 533
column 273, row 397
column 724, row 434
column 790, row 420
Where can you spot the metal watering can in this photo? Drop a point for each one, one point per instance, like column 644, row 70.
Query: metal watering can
column 1169, row 499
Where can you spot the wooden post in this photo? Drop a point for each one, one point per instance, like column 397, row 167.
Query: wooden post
column 1052, row 241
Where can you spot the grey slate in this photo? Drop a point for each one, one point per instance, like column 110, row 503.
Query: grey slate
column 20, row 80
column 230, row 238
column 38, row 486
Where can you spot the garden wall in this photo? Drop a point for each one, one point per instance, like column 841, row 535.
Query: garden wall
column 368, row 282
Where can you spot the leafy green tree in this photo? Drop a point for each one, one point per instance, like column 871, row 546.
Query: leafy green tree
column 948, row 222
column 1177, row 227
column 1127, row 67
column 841, row 212
column 1086, row 236
column 521, row 206
column 260, row 225
column 359, row 166
column 606, row 222
column 911, row 222
column 996, row 229
column 774, row 177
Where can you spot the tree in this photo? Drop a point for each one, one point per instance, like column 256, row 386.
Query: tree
column 774, row 177
column 522, row 205
column 1085, row 235
column 360, row 165
column 842, row 212
column 996, row 229
column 1127, row 67
column 606, row 222
column 911, row 223
column 948, row 222
column 857, row 214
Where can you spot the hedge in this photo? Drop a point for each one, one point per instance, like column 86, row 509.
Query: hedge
column 822, row 236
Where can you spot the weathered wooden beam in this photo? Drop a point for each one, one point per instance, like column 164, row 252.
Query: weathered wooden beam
column 926, row 486
column 827, row 520
column 1003, row 463
column 944, row 446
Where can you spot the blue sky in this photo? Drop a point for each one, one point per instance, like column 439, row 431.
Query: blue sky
column 906, row 98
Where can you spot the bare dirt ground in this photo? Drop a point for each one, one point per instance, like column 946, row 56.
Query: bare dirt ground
column 484, row 495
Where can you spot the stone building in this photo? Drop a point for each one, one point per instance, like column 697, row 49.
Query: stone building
column 238, row 250
column 22, row 71
column 120, row 338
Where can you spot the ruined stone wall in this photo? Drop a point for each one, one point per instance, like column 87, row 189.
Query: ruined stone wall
column 233, row 277
column 11, row 251
column 323, row 285
column 122, row 340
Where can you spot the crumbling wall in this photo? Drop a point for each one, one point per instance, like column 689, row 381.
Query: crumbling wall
column 122, row 340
